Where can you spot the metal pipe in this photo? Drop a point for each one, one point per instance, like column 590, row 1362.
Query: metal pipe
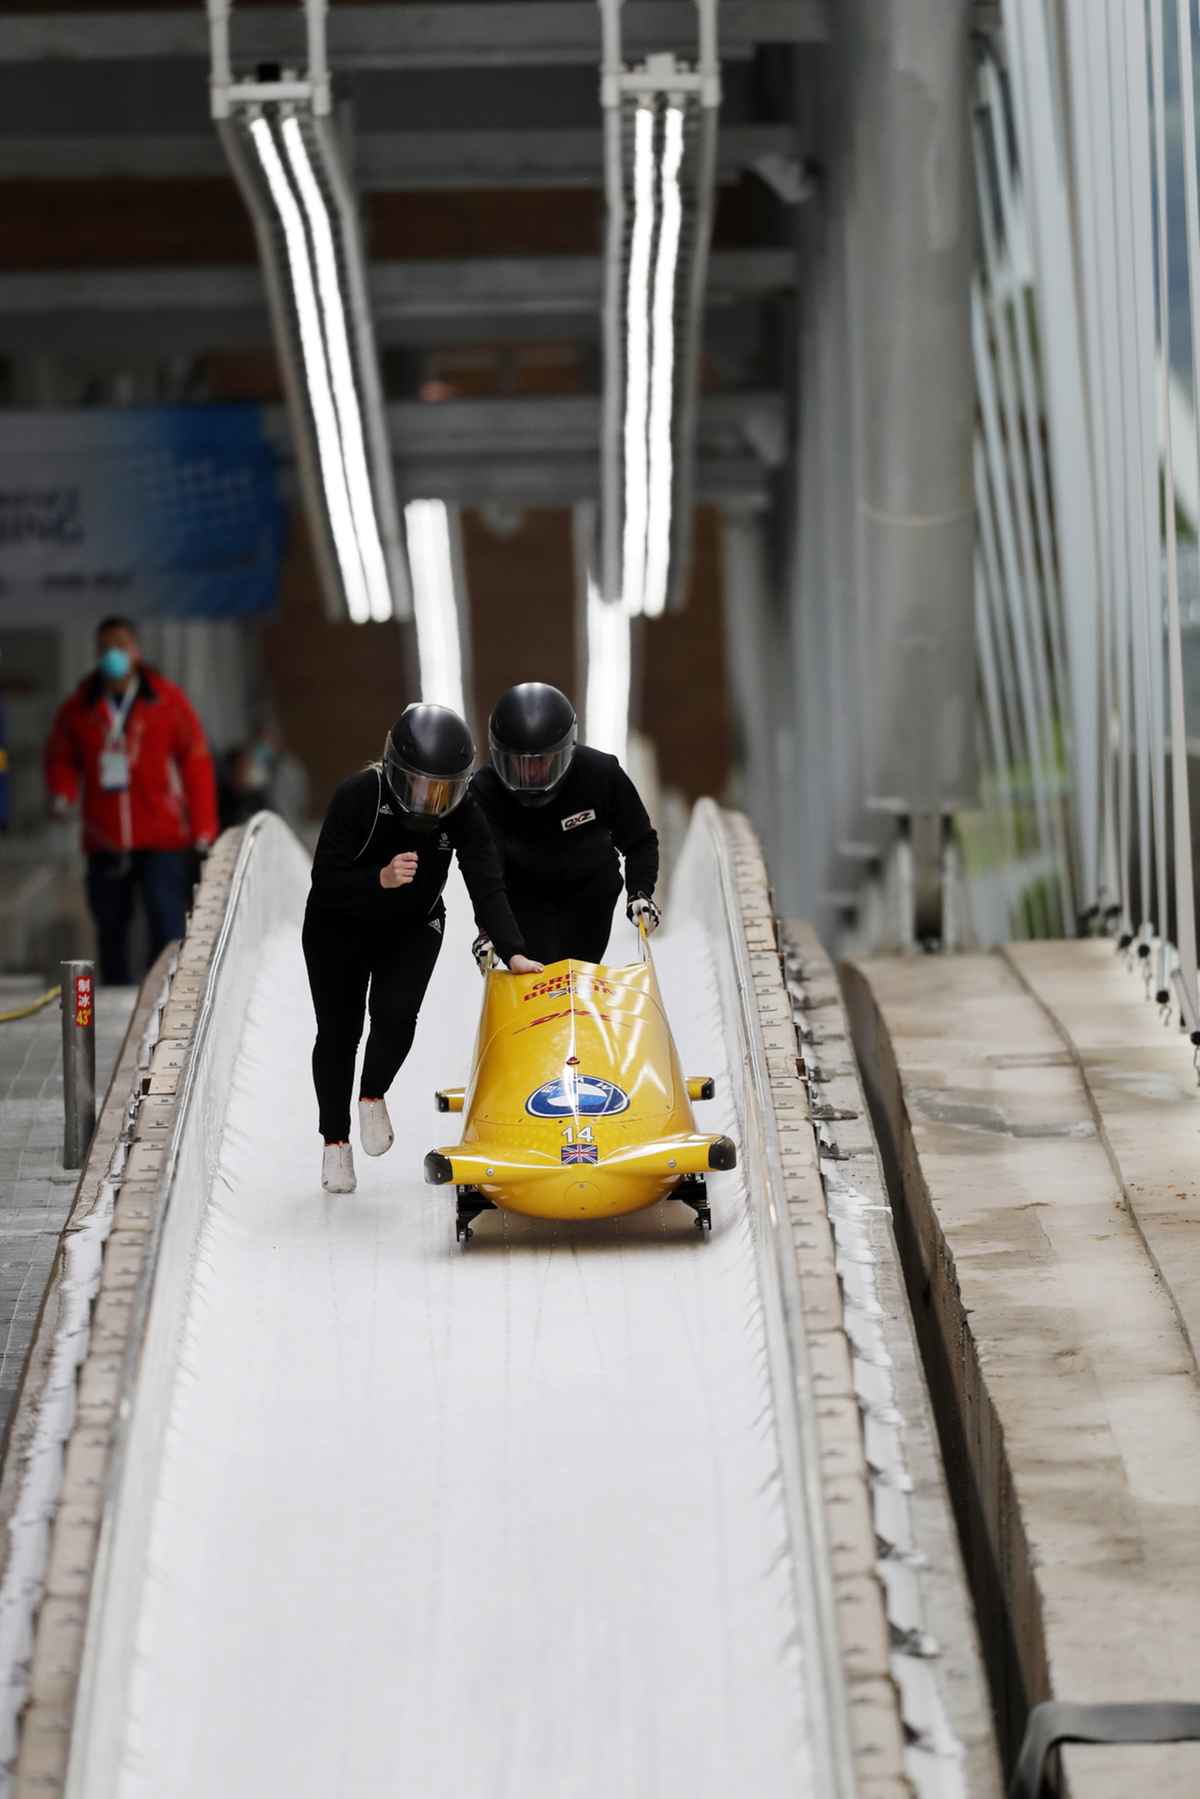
column 318, row 60
column 1185, row 917
column 222, row 70
column 1126, row 294
column 79, row 1060
column 1107, row 289
column 611, row 509
column 1010, row 567
column 1185, row 927
column 1045, row 159
column 1089, row 170
column 1141, row 196
column 1029, row 590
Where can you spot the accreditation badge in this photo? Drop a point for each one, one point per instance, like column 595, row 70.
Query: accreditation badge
column 114, row 771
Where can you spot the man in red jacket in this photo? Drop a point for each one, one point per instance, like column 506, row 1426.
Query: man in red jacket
column 128, row 744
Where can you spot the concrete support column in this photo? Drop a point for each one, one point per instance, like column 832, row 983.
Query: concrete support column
column 910, row 249
column 752, row 638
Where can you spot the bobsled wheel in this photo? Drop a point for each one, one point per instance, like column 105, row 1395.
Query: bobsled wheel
column 693, row 1191
column 470, row 1204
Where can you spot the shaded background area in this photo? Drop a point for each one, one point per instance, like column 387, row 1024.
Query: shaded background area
column 172, row 220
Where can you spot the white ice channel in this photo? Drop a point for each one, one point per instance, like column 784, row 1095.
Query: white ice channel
column 506, row 1523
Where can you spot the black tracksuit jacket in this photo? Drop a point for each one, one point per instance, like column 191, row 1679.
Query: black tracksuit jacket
column 364, row 829
column 572, row 841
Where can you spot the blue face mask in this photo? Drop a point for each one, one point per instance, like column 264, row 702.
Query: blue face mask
column 115, row 664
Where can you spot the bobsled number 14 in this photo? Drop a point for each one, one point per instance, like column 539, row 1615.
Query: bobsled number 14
column 577, row 1106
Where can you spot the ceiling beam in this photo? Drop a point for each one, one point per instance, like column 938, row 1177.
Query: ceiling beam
column 382, row 161
column 187, row 311
column 749, row 423
column 545, row 451
column 564, row 480
column 472, row 33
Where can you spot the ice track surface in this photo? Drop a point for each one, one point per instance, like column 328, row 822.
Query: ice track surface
column 501, row 1524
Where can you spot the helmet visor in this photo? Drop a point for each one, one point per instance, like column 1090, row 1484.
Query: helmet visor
column 534, row 774
column 422, row 795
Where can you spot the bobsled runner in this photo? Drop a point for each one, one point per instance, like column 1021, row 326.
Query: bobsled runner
column 577, row 1106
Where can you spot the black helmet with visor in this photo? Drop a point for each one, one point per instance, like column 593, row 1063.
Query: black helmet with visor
column 532, row 734
column 427, row 764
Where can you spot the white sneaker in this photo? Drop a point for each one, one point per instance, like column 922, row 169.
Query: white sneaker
column 375, row 1127
column 337, row 1168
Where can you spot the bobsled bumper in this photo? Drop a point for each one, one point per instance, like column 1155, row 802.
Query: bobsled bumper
column 628, row 1180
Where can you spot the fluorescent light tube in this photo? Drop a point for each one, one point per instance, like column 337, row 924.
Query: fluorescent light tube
column 606, row 709
column 341, row 368
column 435, row 607
column 662, row 372
column 637, row 360
column 312, row 346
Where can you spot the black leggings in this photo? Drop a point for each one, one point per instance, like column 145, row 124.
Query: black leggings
column 555, row 925
column 342, row 958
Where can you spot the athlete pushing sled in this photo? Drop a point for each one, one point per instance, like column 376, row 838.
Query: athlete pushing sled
column 375, row 917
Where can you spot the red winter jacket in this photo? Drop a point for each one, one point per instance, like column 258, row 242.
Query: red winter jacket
column 171, row 800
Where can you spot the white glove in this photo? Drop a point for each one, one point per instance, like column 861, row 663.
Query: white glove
column 482, row 951
column 641, row 907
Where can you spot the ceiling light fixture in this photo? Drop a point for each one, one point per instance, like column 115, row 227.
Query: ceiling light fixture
column 660, row 160
column 435, row 603
column 661, row 467
column 320, row 395
column 637, row 361
column 341, row 370
column 276, row 131
column 606, row 707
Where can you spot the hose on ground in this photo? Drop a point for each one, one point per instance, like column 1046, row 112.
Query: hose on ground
column 36, row 1006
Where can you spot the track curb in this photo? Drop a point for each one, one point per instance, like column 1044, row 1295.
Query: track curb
column 126, row 1157
column 872, row 1700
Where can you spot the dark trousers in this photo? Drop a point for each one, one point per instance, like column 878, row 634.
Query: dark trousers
column 111, row 879
column 556, row 924
column 343, row 957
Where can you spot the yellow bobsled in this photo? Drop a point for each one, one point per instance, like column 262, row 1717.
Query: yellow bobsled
column 576, row 1107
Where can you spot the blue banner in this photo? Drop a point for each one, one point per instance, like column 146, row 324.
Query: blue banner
column 163, row 512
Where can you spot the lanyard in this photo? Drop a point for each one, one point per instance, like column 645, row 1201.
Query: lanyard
column 116, row 730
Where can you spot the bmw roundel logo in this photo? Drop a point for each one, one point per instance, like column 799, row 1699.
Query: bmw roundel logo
column 585, row 1094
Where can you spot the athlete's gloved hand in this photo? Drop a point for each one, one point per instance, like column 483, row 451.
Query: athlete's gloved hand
column 641, row 906
column 483, row 950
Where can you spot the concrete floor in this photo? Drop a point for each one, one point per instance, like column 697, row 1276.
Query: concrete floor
column 1050, row 1235
column 35, row 1191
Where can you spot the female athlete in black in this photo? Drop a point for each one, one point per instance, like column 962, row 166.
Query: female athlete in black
column 559, row 813
column 375, row 917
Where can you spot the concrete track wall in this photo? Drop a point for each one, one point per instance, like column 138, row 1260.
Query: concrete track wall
column 1064, row 1387
column 268, row 884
